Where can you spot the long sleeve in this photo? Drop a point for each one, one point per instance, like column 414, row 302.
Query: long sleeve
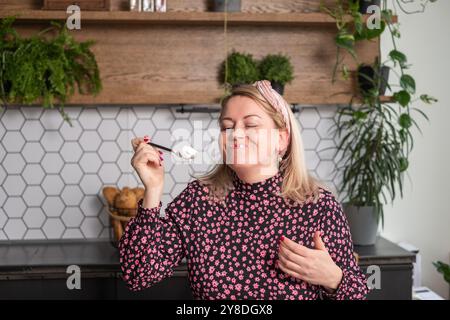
column 337, row 239
column 151, row 245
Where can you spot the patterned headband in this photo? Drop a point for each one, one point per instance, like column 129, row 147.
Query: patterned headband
column 275, row 100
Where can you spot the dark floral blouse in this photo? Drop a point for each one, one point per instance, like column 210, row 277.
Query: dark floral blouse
column 231, row 248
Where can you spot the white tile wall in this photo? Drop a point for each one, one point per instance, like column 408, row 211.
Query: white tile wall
column 51, row 174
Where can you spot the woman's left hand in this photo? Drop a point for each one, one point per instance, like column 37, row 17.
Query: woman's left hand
column 311, row 265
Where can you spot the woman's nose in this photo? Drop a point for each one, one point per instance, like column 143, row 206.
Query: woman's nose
column 238, row 133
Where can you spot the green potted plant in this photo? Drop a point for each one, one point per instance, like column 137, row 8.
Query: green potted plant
column 45, row 68
column 277, row 68
column 370, row 78
column 444, row 269
column 365, row 4
column 239, row 68
column 374, row 136
column 350, row 29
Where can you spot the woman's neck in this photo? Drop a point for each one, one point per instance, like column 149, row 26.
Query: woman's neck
column 255, row 174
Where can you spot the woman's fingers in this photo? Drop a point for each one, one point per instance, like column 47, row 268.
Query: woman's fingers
column 290, row 271
column 146, row 153
column 291, row 258
column 294, row 247
column 144, row 156
column 144, row 146
column 135, row 142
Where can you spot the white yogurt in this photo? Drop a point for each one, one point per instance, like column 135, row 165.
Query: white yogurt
column 187, row 152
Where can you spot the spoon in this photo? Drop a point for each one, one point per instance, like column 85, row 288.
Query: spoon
column 186, row 152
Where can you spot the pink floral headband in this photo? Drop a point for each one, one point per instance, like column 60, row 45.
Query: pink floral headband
column 275, row 100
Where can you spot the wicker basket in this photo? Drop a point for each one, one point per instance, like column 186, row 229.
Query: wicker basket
column 119, row 221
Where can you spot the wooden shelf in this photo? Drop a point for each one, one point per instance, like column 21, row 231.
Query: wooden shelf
column 190, row 18
column 174, row 57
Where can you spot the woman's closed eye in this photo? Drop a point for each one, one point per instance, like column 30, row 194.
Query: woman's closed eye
column 247, row 126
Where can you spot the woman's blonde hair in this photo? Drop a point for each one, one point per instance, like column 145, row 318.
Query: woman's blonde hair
column 298, row 185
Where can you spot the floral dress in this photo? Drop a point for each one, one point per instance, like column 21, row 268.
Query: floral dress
column 231, row 247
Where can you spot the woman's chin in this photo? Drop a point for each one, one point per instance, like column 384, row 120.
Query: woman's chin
column 244, row 161
column 245, row 165
column 241, row 166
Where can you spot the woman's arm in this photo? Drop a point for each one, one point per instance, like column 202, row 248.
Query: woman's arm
column 152, row 246
column 337, row 239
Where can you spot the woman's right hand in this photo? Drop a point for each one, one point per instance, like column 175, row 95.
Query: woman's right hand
column 148, row 163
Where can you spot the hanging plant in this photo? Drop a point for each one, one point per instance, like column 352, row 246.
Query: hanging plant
column 375, row 137
column 350, row 29
column 45, row 68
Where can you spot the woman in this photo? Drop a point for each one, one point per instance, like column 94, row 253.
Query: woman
column 256, row 227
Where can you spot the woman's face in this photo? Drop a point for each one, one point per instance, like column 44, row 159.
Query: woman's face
column 249, row 136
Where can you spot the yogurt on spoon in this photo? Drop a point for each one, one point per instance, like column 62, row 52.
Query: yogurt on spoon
column 187, row 153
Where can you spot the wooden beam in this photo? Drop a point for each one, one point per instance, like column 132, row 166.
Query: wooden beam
column 177, row 18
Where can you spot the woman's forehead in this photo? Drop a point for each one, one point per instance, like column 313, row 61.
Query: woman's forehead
column 241, row 106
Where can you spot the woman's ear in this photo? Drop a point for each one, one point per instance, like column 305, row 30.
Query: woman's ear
column 283, row 140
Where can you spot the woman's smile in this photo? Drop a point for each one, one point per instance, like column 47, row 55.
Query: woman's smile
column 238, row 145
column 244, row 143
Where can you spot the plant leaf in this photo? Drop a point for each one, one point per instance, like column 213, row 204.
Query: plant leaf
column 405, row 121
column 428, row 99
column 398, row 56
column 402, row 97
column 408, row 83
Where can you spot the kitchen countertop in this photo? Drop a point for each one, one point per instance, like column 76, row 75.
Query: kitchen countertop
column 100, row 257
column 50, row 253
column 384, row 252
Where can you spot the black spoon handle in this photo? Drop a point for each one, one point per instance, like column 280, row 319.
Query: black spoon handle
column 159, row 147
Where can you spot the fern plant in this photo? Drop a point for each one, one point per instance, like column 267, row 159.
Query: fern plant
column 45, row 68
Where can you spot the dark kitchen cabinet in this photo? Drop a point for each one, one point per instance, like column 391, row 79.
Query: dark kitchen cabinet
column 37, row 270
column 396, row 266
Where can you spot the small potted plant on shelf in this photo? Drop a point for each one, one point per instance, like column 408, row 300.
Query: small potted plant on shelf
column 365, row 4
column 349, row 31
column 229, row 5
column 370, row 78
column 374, row 136
column 239, row 68
column 277, row 68
column 45, row 68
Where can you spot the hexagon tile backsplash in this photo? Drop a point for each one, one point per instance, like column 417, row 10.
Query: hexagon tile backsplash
column 51, row 174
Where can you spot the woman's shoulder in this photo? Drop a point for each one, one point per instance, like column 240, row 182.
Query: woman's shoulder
column 189, row 197
column 328, row 205
column 326, row 195
column 195, row 189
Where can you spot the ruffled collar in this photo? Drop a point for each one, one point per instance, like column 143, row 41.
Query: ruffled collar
column 269, row 186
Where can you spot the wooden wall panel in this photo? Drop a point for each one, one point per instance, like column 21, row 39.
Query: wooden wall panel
column 173, row 64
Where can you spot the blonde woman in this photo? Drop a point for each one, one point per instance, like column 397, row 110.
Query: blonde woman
column 258, row 226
